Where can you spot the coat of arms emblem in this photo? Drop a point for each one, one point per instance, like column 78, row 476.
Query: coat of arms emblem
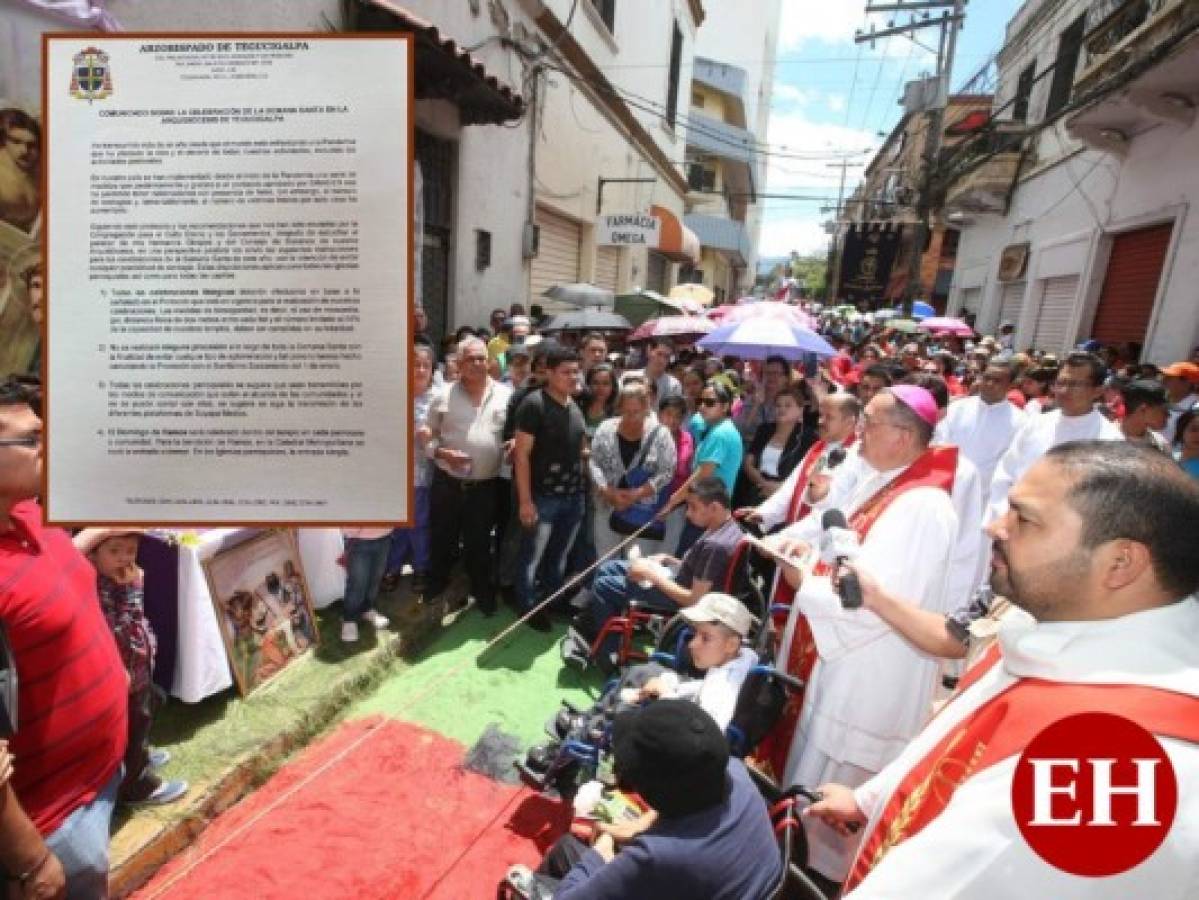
column 91, row 78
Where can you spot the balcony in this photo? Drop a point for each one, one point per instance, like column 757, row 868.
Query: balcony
column 1122, row 32
column 988, row 165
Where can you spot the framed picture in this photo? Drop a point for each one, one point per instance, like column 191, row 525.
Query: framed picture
column 263, row 606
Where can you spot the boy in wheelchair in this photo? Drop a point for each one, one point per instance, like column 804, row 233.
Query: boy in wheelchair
column 708, row 666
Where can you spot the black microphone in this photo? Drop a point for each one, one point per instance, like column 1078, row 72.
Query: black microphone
column 848, row 587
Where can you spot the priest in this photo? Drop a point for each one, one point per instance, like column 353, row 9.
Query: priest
column 870, row 689
column 1096, row 544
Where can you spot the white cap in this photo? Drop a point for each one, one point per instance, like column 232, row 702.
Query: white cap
column 722, row 608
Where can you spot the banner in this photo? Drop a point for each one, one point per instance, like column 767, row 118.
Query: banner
column 867, row 256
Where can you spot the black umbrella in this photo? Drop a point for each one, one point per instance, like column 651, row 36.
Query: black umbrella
column 581, row 294
column 587, row 320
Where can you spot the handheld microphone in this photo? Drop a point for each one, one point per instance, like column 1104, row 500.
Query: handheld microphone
column 848, row 587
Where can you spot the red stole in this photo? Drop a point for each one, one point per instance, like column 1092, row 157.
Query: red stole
column 936, row 467
column 1003, row 727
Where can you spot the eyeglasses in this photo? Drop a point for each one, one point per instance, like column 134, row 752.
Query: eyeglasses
column 708, row 401
column 868, row 421
column 29, row 441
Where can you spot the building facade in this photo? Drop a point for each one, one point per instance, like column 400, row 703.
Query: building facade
column 1074, row 204
column 728, row 122
column 882, row 209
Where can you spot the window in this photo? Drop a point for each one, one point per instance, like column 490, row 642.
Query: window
column 1023, row 92
column 482, row 249
column 1068, row 47
column 672, row 88
column 607, row 12
column 697, row 100
column 701, row 177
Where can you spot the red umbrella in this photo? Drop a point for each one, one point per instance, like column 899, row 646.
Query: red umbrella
column 672, row 326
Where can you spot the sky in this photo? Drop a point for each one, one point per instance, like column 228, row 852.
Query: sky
column 833, row 97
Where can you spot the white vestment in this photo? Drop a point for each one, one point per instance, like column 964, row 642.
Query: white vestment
column 774, row 509
column 870, row 689
column 974, row 847
column 1034, row 440
column 983, row 431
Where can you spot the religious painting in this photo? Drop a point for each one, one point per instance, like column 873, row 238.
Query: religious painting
column 867, row 257
column 263, row 606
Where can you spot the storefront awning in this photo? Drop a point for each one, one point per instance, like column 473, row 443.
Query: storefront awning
column 678, row 242
column 445, row 70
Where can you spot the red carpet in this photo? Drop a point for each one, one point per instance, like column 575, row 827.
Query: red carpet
column 394, row 817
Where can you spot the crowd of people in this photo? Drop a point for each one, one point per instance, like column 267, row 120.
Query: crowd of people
column 977, row 490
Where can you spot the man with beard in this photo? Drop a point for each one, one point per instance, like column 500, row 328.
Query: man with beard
column 1097, row 546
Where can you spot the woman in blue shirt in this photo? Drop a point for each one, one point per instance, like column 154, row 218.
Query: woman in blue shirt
column 1186, row 439
column 718, row 449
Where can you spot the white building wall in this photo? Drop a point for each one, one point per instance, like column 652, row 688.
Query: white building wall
column 745, row 34
column 578, row 142
column 1071, row 201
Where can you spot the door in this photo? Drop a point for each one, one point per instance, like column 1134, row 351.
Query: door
column 607, row 267
column 436, row 159
column 971, row 300
column 557, row 259
column 1053, row 318
column 657, row 273
column 1134, row 272
column 1011, row 302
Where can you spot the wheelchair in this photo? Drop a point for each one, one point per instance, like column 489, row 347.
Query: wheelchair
column 783, row 808
column 741, row 581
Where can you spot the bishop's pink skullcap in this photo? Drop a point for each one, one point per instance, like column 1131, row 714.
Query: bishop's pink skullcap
column 918, row 400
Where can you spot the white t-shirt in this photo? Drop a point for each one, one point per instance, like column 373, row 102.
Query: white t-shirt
column 717, row 691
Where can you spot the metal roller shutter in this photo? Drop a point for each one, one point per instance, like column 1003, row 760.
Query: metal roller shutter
column 607, row 267
column 1053, row 318
column 557, row 259
column 1011, row 301
column 1130, row 286
column 971, row 300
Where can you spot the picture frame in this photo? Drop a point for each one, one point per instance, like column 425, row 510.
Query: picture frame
column 263, row 606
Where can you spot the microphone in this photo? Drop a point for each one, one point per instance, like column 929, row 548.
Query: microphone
column 848, row 587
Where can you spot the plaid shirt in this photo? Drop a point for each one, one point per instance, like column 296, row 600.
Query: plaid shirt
column 126, row 616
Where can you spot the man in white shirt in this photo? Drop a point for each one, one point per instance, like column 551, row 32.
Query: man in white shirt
column 983, row 426
column 1079, row 385
column 870, row 689
column 1097, row 546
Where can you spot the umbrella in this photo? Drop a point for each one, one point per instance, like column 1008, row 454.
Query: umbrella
column 905, row 325
column 673, row 326
column 689, row 307
column 760, row 337
column 922, row 310
column 581, row 294
column 696, row 292
column 945, row 325
column 880, row 314
column 768, row 309
column 587, row 320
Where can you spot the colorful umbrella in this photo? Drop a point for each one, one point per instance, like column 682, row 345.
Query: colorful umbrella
column 696, row 292
column 673, row 327
column 760, row 337
column 768, row 309
column 922, row 310
column 946, row 325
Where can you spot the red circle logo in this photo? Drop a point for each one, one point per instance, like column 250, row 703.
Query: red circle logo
column 1094, row 794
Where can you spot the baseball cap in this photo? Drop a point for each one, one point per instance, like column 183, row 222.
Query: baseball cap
column 724, row 609
column 519, row 320
column 673, row 754
column 1187, row 370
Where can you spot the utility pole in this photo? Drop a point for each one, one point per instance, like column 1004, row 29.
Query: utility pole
column 833, row 279
column 952, row 14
